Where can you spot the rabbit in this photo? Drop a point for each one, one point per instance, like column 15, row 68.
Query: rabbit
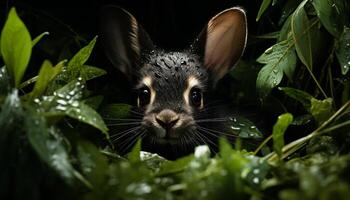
column 173, row 114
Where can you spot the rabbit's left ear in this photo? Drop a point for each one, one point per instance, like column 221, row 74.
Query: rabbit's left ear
column 221, row 43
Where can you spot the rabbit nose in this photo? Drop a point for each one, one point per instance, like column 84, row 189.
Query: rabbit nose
column 167, row 119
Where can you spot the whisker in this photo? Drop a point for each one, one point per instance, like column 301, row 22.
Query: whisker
column 122, row 119
column 216, row 131
column 123, row 133
column 207, row 139
column 126, row 144
column 212, row 120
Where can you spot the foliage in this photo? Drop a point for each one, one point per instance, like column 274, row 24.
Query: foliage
column 46, row 122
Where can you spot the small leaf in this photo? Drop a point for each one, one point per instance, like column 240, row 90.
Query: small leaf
column 91, row 72
column 279, row 59
column 299, row 95
column 16, row 46
column 46, row 74
column 38, row 38
column 331, row 14
column 342, row 51
column 264, row 5
column 301, row 35
column 173, row 167
column 279, row 129
column 75, row 65
column 134, row 155
column 321, row 109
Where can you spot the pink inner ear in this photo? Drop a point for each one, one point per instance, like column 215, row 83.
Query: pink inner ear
column 226, row 39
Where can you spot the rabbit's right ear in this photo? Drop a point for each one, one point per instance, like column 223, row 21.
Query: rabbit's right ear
column 124, row 40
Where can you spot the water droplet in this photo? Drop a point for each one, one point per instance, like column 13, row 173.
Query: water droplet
column 348, row 62
column 75, row 104
column 80, row 79
column 348, row 44
column 256, row 180
column 252, row 127
column 60, row 107
column 62, row 102
column 345, row 66
column 269, row 50
column 235, row 128
column 274, row 82
column 256, row 171
column 36, row 100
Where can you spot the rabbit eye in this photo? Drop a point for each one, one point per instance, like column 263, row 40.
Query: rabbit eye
column 196, row 97
column 144, row 96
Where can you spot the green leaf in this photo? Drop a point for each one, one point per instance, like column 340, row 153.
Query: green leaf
column 173, row 167
column 116, row 111
column 274, row 2
column 46, row 74
column 75, row 65
column 244, row 128
column 343, row 49
column 285, row 32
column 321, row 109
column 48, row 144
column 264, row 5
column 38, row 38
column 16, row 46
column 279, row 59
column 301, row 34
column 94, row 102
column 91, row 72
column 134, row 155
column 299, row 95
column 279, row 129
column 331, row 14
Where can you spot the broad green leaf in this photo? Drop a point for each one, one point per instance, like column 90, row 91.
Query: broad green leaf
column 173, row 167
column 94, row 102
column 16, row 46
column 91, row 72
column 332, row 15
column 117, row 111
column 278, row 59
column 46, row 74
column 321, row 109
column 264, row 5
column 285, row 32
column 301, row 34
column 38, row 38
column 343, row 49
column 299, row 95
column 244, row 128
column 134, row 155
column 75, row 65
column 279, row 129
column 48, row 144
